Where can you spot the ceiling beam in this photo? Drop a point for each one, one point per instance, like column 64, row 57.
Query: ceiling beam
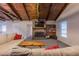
column 7, row 11
column 14, row 10
column 49, row 11
column 26, row 11
column 2, row 17
column 7, row 15
column 61, row 11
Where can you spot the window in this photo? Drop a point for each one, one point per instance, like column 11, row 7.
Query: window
column 63, row 29
column 2, row 28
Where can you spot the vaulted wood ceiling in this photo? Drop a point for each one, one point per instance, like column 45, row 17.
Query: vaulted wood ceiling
column 31, row 11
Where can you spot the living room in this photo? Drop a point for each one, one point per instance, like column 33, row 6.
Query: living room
column 37, row 29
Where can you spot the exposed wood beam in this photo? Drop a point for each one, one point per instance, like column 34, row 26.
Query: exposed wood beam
column 26, row 11
column 2, row 17
column 49, row 11
column 7, row 11
column 14, row 10
column 61, row 11
column 7, row 15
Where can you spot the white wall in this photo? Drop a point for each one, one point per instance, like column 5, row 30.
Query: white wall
column 24, row 28
column 20, row 27
column 71, row 14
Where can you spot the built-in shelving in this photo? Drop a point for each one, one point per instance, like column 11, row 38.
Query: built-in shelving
column 38, row 31
column 48, row 31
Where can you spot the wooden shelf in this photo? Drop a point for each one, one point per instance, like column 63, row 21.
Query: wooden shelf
column 39, row 28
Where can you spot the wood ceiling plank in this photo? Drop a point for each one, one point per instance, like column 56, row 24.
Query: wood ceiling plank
column 48, row 11
column 63, row 8
column 7, row 12
column 4, row 16
column 32, row 10
column 14, row 10
column 7, row 8
column 55, row 9
column 20, row 10
column 8, row 16
column 26, row 11
column 43, row 10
